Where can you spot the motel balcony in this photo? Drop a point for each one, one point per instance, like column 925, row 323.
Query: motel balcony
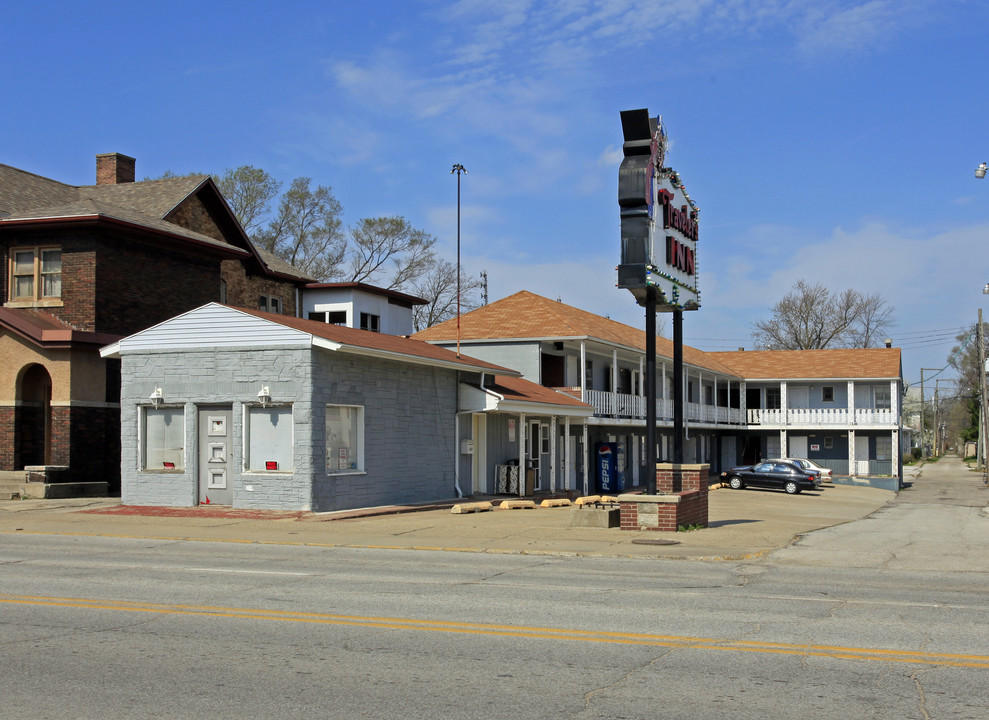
column 624, row 406
column 830, row 417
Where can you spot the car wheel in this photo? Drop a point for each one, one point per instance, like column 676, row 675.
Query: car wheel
column 791, row 488
column 735, row 483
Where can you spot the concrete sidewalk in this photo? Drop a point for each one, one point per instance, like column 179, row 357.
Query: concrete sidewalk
column 743, row 524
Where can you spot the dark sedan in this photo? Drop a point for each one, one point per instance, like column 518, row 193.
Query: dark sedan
column 787, row 475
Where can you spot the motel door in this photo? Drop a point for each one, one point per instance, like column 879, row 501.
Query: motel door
column 215, row 443
column 861, row 455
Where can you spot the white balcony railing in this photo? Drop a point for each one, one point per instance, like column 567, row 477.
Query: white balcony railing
column 821, row 417
column 627, row 406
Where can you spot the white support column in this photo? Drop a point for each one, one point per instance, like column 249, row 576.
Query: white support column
column 552, row 454
column 642, row 376
column 851, row 402
column 784, row 450
column 894, row 454
column 894, row 401
column 742, row 406
column 567, row 455
column 852, row 470
column 784, row 410
column 583, row 371
column 614, row 370
column 522, row 468
column 588, row 458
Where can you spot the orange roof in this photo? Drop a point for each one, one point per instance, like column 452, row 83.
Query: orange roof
column 521, row 390
column 838, row 363
column 397, row 344
column 526, row 315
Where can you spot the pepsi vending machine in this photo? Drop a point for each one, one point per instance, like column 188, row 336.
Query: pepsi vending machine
column 611, row 467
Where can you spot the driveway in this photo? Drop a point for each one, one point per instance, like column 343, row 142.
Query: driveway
column 940, row 522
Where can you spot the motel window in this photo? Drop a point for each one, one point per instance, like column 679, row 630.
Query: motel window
column 827, row 393
column 370, row 322
column 163, row 439
column 773, row 398
column 344, row 439
column 882, row 397
column 35, row 274
column 270, row 303
column 269, row 439
column 828, row 442
column 708, row 395
column 884, row 448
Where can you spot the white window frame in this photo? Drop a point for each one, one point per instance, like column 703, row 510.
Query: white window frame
column 370, row 322
column 270, row 303
column 37, row 296
column 333, row 457
column 159, row 457
column 281, row 451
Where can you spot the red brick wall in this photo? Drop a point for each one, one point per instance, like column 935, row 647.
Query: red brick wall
column 139, row 285
column 7, row 460
column 243, row 290
column 192, row 214
column 688, row 484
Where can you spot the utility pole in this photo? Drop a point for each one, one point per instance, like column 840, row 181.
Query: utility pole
column 458, row 169
column 984, row 415
column 923, row 402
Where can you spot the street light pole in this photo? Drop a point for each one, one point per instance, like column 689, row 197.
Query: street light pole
column 458, row 169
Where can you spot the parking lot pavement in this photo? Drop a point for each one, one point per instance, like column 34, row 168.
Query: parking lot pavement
column 742, row 524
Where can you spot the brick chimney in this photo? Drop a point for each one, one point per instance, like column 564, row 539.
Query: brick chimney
column 114, row 168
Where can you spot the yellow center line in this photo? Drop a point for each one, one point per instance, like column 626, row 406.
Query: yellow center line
column 449, row 626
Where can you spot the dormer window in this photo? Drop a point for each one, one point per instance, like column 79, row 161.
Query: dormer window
column 35, row 274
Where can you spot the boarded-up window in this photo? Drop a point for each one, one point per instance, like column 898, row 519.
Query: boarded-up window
column 164, row 439
column 344, row 438
column 269, row 438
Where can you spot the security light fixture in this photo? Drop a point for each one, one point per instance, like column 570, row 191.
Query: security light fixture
column 980, row 172
column 156, row 397
column 985, row 289
column 264, row 395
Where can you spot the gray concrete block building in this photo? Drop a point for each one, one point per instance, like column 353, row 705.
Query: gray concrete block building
column 248, row 409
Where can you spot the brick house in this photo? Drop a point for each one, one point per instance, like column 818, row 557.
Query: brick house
column 86, row 265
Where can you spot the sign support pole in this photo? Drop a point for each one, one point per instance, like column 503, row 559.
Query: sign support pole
column 650, row 471
column 678, row 386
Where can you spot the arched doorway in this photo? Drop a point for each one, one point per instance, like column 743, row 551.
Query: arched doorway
column 33, row 423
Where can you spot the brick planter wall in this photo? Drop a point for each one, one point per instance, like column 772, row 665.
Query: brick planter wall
column 681, row 500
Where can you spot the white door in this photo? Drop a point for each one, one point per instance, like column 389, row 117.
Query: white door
column 798, row 446
column 861, row 455
column 798, row 397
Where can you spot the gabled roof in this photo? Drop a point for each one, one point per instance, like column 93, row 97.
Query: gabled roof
column 216, row 325
column 28, row 199
column 874, row 363
column 526, row 315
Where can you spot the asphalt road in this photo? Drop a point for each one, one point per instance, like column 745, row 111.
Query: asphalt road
column 99, row 627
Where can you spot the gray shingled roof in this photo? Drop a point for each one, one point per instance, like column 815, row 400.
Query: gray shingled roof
column 25, row 196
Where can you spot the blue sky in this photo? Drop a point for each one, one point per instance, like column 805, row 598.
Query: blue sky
column 826, row 140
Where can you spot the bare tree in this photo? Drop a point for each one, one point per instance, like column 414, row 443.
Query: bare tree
column 307, row 231
column 250, row 192
column 812, row 317
column 389, row 252
column 439, row 288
